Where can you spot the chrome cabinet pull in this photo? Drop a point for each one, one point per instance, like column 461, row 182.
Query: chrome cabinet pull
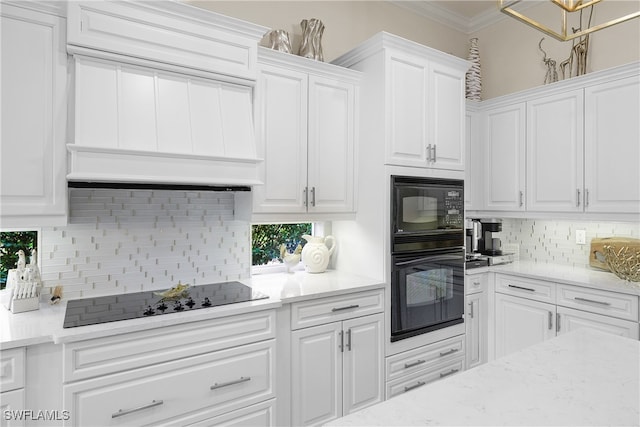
column 550, row 320
column 586, row 198
column 412, row 364
column 446, row 353
column 522, row 288
column 349, row 340
column 521, row 198
column 429, row 153
column 306, row 196
column 122, row 412
column 313, row 196
column 557, row 322
column 577, row 197
column 446, row 374
column 233, row 382
column 341, row 346
column 434, row 154
column 416, row 385
column 346, row 307
column 592, row 301
column 471, row 309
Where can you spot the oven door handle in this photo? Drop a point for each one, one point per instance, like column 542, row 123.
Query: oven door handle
column 433, row 258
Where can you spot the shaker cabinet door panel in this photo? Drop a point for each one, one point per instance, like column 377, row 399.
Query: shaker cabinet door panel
column 612, row 151
column 570, row 320
column 555, row 152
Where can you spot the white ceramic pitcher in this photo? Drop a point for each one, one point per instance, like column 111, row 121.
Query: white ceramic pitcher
column 316, row 254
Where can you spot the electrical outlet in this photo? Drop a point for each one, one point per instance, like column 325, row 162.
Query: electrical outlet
column 581, row 237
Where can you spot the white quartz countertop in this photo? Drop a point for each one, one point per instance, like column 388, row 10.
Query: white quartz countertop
column 45, row 325
column 579, row 276
column 582, row 378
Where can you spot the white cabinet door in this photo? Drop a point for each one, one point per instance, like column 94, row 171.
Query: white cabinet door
column 505, row 158
column 476, row 322
column 555, row 153
column 569, row 319
column 406, row 110
column 331, row 139
column 474, row 161
column 363, row 362
column 281, row 124
column 447, row 117
column 34, row 116
column 612, row 151
column 521, row 323
column 11, row 401
column 316, row 374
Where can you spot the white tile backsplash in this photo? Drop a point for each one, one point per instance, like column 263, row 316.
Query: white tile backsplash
column 121, row 241
column 554, row 241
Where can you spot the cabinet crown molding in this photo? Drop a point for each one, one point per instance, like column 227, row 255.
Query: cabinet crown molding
column 282, row 59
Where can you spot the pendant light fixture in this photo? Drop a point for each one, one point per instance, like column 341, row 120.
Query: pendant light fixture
column 565, row 9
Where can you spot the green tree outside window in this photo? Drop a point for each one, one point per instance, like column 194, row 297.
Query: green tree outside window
column 267, row 238
column 10, row 243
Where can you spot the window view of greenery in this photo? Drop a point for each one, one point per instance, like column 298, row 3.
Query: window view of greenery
column 10, row 243
column 267, row 238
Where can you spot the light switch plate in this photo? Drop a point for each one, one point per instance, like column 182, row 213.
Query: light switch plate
column 581, row 237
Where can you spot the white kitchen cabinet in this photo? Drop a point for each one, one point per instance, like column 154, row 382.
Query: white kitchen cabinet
column 504, row 158
column 612, row 152
column 34, row 80
column 306, row 119
column 425, row 112
column 183, row 374
column 12, row 383
column 568, row 319
column 476, row 319
column 521, row 322
column 555, row 153
column 474, row 160
column 336, row 369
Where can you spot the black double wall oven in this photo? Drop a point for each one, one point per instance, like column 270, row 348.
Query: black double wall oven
column 428, row 256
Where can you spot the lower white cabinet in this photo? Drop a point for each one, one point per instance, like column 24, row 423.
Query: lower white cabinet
column 336, row 369
column 476, row 319
column 569, row 319
column 217, row 380
column 12, row 382
column 521, row 322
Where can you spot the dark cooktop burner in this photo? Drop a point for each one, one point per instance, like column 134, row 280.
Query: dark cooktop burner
column 91, row 311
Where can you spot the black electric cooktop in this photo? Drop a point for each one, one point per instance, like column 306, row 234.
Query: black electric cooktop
column 91, row 311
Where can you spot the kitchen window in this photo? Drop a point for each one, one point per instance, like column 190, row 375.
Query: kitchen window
column 266, row 240
column 11, row 242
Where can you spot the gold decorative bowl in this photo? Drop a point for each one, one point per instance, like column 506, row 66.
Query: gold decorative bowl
column 623, row 261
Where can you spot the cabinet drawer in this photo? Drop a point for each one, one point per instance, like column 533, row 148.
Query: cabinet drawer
column 222, row 381
column 421, row 358
column 332, row 309
column 597, row 301
column 258, row 415
column 101, row 356
column 12, row 401
column 474, row 283
column 425, row 376
column 12, row 363
column 527, row 288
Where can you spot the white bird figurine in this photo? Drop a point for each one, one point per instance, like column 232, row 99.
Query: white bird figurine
column 290, row 260
column 22, row 260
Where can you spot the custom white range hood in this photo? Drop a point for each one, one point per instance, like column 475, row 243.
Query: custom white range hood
column 162, row 93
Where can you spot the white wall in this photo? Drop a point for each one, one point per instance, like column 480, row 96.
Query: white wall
column 120, row 241
column 509, row 52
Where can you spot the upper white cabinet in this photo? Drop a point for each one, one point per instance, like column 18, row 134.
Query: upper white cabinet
column 306, row 121
column 34, row 78
column 554, row 153
column 504, row 158
column 167, row 32
column 416, row 95
column 474, row 164
column 611, row 146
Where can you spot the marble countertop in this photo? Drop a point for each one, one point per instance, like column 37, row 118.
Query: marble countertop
column 579, row 276
column 45, row 325
column 581, row 378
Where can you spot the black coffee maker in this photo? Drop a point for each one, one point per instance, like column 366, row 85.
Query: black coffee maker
column 487, row 244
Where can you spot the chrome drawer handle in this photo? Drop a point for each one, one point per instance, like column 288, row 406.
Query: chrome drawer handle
column 345, row 308
column 416, row 363
column 522, row 288
column 416, row 385
column 122, row 412
column 446, row 353
column 591, row 301
column 238, row 381
column 446, row 374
